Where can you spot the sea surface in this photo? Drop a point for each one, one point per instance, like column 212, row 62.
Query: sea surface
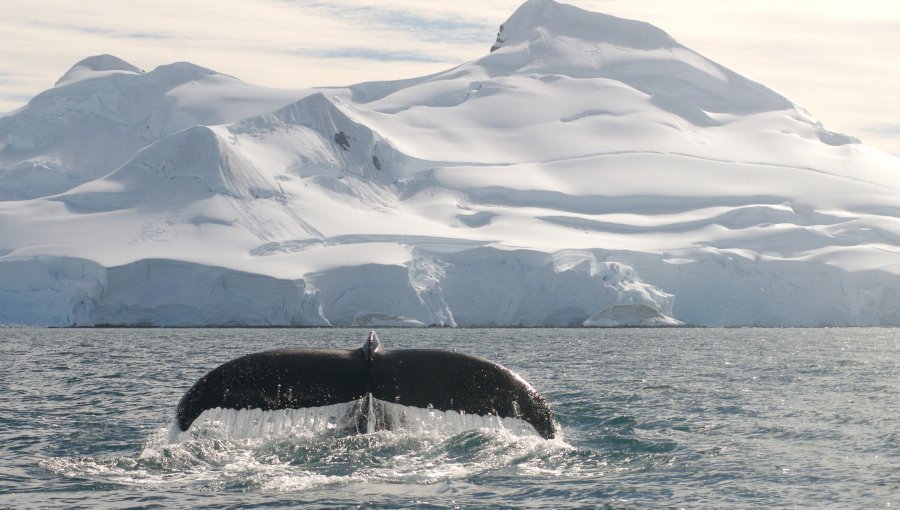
column 650, row 418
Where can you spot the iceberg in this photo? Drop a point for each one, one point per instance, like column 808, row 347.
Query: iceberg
column 384, row 320
column 630, row 315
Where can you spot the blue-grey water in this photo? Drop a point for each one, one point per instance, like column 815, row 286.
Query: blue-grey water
column 651, row 418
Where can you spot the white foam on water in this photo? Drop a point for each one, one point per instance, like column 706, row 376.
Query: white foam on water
column 295, row 450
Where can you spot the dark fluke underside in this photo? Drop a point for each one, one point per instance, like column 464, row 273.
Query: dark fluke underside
column 299, row 378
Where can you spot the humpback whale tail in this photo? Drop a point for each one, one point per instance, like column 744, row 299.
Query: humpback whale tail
column 426, row 378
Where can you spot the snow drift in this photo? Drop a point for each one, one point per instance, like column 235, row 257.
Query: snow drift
column 586, row 171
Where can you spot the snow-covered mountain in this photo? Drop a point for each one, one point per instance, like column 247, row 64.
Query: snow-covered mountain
column 587, row 170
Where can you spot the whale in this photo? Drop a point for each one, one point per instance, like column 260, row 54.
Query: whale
column 365, row 377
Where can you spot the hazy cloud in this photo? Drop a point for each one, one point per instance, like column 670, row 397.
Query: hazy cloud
column 452, row 29
column 97, row 30
column 370, row 54
column 885, row 130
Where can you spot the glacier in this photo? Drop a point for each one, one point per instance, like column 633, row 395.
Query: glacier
column 587, row 170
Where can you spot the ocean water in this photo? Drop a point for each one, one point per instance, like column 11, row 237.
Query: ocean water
column 650, row 418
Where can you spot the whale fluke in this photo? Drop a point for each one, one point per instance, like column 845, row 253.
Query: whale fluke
column 299, row 378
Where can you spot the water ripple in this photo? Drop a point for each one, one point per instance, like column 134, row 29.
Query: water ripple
column 650, row 418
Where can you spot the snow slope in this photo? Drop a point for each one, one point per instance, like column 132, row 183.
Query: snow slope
column 103, row 110
column 588, row 170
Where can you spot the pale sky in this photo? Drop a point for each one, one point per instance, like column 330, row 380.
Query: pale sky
column 837, row 59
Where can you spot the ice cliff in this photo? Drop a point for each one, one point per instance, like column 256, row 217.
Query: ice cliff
column 60, row 291
column 587, row 171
